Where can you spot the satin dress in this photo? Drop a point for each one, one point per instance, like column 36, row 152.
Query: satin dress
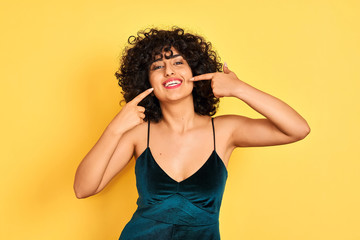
column 168, row 209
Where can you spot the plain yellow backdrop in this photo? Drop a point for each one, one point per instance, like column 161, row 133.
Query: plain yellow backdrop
column 58, row 93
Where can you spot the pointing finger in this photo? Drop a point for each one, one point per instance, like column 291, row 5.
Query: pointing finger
column 206, row 76
column 142, row 95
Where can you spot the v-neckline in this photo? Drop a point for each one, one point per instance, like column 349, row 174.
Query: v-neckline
column 192, row 175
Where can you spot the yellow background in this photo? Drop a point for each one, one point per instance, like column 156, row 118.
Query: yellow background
column 58, row 93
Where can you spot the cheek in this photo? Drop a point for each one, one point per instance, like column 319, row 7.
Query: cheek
column 152, row 80
column 186, row 72
column 190, row 71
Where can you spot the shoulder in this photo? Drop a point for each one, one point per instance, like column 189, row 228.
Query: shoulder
column 231, row 128
column 137, row 134
column 229, row 122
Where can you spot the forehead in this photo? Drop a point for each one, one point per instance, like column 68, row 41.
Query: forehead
column 168, row 53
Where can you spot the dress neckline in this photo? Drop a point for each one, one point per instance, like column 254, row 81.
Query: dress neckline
column 196, row 172
column 189, row 177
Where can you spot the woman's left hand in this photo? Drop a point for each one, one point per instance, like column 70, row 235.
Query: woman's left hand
column 223, row 84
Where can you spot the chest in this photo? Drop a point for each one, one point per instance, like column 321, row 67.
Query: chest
column 181, row 156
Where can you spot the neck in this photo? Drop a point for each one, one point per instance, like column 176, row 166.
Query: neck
column 179, row 116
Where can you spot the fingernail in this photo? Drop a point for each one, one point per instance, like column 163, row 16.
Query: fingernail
column 191, row 79
column 225, row 64
column 150, row 89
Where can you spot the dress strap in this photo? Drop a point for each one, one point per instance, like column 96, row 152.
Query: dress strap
column 148, row 135
column 212, row 121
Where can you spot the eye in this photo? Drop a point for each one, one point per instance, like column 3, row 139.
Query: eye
column 156, row 67
column 178, row 62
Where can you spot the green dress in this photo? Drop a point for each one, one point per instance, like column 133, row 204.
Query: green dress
column 168, row 209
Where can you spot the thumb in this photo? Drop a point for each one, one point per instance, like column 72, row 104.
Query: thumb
column 225, row 68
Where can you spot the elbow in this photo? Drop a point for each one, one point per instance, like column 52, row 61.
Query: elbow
column 306, row 131
column 303, row 133
column 80, row 194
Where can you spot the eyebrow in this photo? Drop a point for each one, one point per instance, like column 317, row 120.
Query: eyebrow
column 173, row 56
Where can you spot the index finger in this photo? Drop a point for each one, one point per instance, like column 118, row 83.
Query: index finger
column 141, row 96
column 206, row 76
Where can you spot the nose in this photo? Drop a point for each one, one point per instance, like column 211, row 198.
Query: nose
column 169, row 70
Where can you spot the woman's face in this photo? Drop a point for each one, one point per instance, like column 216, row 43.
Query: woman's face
column 170, row 77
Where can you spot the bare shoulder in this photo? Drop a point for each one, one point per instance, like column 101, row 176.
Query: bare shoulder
column 243, row 131
column 231, row 129
column 137, row 133
column 228, row 122
column 225, row 126
column 137, row 136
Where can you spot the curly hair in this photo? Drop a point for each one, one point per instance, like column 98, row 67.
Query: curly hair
column 133, row 73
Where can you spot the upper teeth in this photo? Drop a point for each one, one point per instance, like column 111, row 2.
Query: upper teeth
column 172, row 82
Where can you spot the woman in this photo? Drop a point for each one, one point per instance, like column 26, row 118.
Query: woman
column 172, row 82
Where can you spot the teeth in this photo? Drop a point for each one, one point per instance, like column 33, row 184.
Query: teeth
column 171, row 83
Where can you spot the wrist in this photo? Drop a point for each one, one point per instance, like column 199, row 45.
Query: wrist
column 114, row 130
column 240, row 90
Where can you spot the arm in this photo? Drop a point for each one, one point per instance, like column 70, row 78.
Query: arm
column 282, row 123
column 93, row 169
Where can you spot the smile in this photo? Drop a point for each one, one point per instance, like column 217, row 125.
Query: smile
column 172, row 83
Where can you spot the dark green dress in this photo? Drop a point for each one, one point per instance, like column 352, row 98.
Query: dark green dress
column 167, row 209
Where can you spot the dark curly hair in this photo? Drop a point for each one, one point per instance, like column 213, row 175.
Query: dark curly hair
column 136, row 60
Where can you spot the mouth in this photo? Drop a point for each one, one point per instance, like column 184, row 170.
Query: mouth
column 172, row 83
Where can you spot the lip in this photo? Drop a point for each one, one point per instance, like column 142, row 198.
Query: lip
column 171, row 79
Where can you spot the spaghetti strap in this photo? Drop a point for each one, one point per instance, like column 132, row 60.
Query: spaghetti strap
column 212, row 121
column 148, row 135
column 172, row 209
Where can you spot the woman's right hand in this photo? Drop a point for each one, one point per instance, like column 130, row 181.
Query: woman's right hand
column 130, row 115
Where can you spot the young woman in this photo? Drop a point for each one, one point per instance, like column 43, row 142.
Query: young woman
column 172, row 82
